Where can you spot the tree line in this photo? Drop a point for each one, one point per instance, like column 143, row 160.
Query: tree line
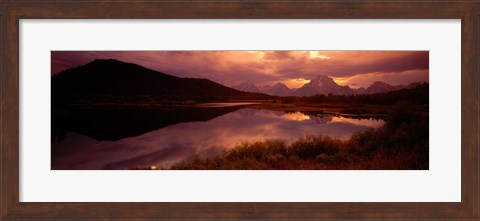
column 417, row 95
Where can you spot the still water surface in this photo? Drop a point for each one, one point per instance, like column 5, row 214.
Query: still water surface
column 182, row 141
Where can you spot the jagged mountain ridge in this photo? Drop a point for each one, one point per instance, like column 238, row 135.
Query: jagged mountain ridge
column 247, row 87
column 279, row 89
column 109, row 77
column 323, row 85
column 326, row 85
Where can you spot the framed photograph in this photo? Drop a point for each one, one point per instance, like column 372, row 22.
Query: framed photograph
column 239, row 110
column 282, row 114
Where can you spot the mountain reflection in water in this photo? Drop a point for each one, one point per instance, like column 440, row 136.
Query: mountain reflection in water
column 180, row 140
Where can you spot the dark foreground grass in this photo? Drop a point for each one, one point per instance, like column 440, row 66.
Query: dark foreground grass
column 402, row 144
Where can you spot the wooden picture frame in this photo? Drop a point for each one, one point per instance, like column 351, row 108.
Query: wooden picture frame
column 12, row 11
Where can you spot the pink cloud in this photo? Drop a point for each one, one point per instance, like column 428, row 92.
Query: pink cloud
column 262, row 67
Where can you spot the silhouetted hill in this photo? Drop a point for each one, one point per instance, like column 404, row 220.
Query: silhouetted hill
column 380, row 87
column 111, row 77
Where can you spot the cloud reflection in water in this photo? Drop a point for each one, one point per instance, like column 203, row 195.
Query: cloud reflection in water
column 182, row 141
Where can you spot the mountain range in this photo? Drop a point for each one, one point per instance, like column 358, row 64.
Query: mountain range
column 109, row 77
column 322, row 85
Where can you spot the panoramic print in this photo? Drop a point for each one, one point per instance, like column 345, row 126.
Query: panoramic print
column 240, row 110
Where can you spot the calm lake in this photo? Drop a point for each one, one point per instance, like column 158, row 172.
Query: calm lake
column 129, row 139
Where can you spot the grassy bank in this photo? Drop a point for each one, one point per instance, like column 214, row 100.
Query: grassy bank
column 401, row 144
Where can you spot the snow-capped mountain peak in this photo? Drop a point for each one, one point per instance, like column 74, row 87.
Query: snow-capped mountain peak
column 279, row 89
column 323, row 84
column 247, row 87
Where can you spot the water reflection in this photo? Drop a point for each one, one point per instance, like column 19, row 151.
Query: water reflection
column 182, row 141
column 230, row 104
column 114, row 123
column 297, row 116
column 361, row 122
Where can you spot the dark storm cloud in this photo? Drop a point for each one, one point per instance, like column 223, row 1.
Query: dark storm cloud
column 262, row 67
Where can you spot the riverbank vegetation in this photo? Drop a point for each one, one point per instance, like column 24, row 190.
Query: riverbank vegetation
column 401, row 144
column 362, row 105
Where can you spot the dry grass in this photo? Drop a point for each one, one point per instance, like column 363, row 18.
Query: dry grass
column 402, row 144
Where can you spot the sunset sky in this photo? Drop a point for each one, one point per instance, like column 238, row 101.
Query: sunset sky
column 294, row 68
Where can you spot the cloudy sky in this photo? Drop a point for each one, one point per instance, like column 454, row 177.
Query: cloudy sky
column 294, row 68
